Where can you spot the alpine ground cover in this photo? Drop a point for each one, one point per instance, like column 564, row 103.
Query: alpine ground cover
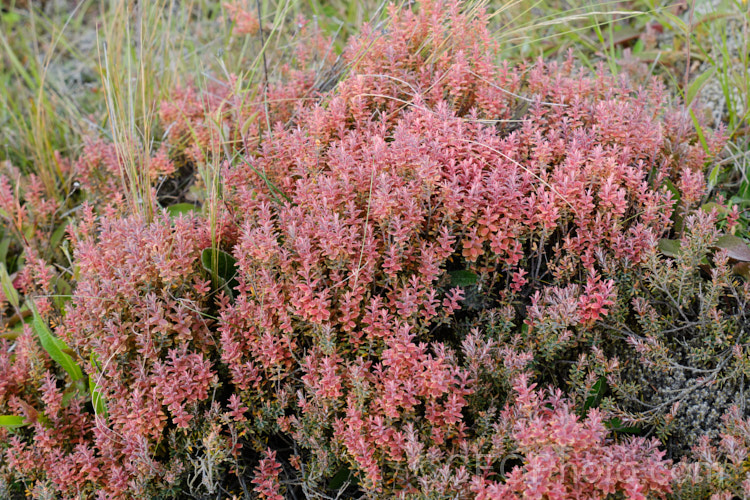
column 407, row 265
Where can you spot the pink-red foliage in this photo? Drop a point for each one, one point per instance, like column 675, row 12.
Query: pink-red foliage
column 347, row 219
column 136, row 326
column 567, row 457
column 351, row 216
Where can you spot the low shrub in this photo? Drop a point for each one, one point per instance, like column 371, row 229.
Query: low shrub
column 360, row 218
column 137, row 327
column 444, row 277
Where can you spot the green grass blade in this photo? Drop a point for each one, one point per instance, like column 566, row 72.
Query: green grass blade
column 97, row 399
column 697, row 85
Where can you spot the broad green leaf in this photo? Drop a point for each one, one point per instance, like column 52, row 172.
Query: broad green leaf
column 463, row 278
column 12, row 421
column 7, row 285
column 182, row 209
column 223, row 269
column 670, row 248
column 55, row 347
column 736, row 247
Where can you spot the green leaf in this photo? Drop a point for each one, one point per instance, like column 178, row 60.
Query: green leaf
column 673, row 189
column 64, row 292
column 676, row 22
column 713, row 177
column 7, row 285
column 735, row 247
column 615, row 425
column 10, row 18
column 595, row 395
column 55, row 347
column 29, row 230
column 57, row 235
column 223, row 269
column 72, row 391
column 340, row 478
column 271, row 186
column 677, row 214
column 702, row 138
column 463, row 278
column 182, row 209
column 638, row 47
column 695, row 87
column 744, row 191
column 25, row 319
column 737, row 200
column 742, row 269
column 4, row 245
column 12, row 421
column 708, row 207
column 670, row 248
column 97, row 400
